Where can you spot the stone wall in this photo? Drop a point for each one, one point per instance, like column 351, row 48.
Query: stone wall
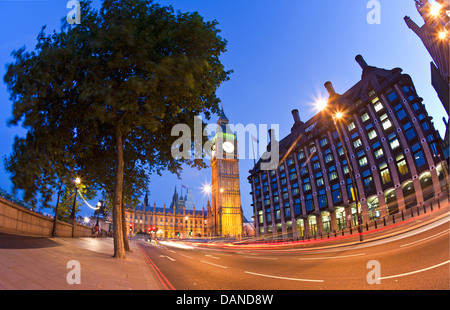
column 15, row 219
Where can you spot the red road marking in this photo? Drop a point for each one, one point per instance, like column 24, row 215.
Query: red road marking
column 166, row 283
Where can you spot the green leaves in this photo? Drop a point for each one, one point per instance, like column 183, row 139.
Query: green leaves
column 103, row 95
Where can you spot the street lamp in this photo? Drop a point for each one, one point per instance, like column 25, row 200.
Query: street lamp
column 435, row 9
column 77, row 182
column 186, row 219
column 336, row 118
column 99, row 205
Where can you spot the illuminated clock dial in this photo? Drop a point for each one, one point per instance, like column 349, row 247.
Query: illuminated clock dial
column 228, row 147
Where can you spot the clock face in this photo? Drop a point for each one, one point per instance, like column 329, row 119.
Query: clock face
column 213, row 151
column 228, row 147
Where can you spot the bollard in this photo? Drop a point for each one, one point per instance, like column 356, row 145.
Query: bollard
column 393, row 219
column 403, row 216
column 424, row 209
column 412, row 213
column 375, row 224
column 384, row 221
column 367, row 226
column 431, row 206
column 418, row 210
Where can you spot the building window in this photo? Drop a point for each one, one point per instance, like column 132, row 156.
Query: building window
column 372, row 134
column 385, row 122
column 332, row 174
column 306, row 185
column 287, row 212
column 378, row 153
column 362, row 159
column 392, row 96
column 290, row 161
column 304, row 171
column 401, row 164
column 425, row 126
column 336, row 194
column 384, row 172
column 316, row 166
column 345, row 167
column 328, row 158
column 323, row 142
column 351, row 126
column 309, row 203
column 322, row 199
column 300, row 156
column 401, row 114
column 268, row 215
column 378, row 106
column 368, row 181
column 365, row 117
column 393, row 141
column 357, row 143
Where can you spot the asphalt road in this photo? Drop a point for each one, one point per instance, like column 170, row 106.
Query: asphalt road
column 410, row 257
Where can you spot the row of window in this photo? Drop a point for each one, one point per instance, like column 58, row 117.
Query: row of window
column 317, row 174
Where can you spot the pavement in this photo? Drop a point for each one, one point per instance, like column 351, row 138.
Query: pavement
column 37, row 263
column 34, row 263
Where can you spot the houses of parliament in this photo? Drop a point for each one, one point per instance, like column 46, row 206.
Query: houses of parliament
column 181, row 219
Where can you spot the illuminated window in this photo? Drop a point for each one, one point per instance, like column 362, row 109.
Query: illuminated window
column 401, row 164
column 384, row 172
column 372, row 134
column 365, row 117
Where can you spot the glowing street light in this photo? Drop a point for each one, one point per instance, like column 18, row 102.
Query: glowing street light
column 442, row 35
column 77, row 182
column 321, row 104
column 435, row 9
column 207, row 189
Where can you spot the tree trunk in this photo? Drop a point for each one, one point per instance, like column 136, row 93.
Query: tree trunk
column 125, row 229
column 119, row 249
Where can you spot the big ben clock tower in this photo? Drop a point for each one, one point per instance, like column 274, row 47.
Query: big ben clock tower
column 226, row 194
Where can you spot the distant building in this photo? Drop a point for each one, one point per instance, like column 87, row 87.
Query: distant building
column 395, row 160
column 180, row 202
column 175, row 221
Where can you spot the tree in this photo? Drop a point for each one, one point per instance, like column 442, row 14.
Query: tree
column 117, row 83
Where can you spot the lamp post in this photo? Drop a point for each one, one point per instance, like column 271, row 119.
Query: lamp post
column 77, row 181
column 336, row 117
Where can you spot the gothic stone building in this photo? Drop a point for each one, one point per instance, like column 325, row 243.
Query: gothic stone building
column 175, row 221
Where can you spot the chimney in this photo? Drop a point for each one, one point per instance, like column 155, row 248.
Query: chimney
column 296, row 116
column 330, row 88
column 359, row 59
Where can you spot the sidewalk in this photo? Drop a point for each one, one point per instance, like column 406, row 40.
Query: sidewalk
column 31, row 263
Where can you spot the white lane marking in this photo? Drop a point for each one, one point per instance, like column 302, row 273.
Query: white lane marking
column 185, row 256
column 425, row 239
column 213, row 264
column 413, row 272
column 168, row 257
column 282, row 278
column 256, row 257
column 333, row 257
column 209, row 255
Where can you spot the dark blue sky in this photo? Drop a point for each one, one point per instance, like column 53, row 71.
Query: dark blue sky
column 282, row 52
